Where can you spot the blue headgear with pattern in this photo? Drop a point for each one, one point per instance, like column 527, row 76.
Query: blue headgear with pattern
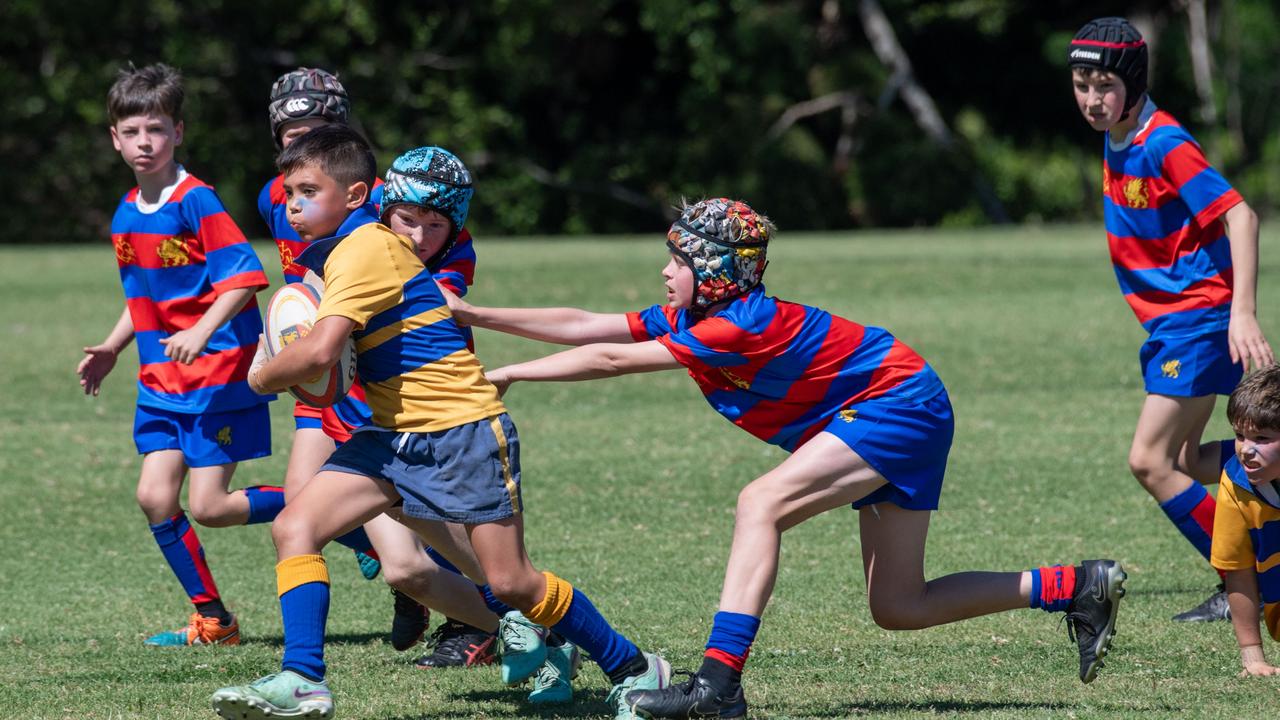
column 433, row 178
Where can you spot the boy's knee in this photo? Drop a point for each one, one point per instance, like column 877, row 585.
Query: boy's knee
column 402, row 573
column 522, row 591
column 756, row 505
column 1149, row 467
column 290, row 528
column 893, row 614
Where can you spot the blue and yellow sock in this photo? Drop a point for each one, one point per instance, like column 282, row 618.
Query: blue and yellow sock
column 569, row 612
column 1191, row 511
column 492, row 602
column 265, row 503
column 302, row 582
column 185, row 555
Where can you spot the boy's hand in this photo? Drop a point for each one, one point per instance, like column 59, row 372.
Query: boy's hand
column 460, row 308
column 185, row 346
column 499, row 379
column 1247, row 343
column 98, row 361
column 259, row 359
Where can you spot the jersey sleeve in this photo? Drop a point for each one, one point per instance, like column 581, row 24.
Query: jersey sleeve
column 651, row 323
column 458, row 269
column 713, row 342
column 264, row 206
column 1204, row 190
column 230, row 259
column 365, row 275
column 1232, row 546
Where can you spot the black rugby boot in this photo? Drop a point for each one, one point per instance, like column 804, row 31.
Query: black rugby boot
column 1091, row 616
column 694, row 698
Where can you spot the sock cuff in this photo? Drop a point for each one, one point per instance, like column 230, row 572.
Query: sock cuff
column 1183, row 503
column 300, row 570
column 555, row 603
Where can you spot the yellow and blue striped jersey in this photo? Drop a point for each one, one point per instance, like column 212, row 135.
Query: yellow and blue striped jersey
column 1246, row 534
column 413, row 360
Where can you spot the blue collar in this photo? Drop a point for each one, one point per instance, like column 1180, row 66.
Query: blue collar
column 317, row 253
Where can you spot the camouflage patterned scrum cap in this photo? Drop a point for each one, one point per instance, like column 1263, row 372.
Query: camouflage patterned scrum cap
column 304, row 93
column 724, row 241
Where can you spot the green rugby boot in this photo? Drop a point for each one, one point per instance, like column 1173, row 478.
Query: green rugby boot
column 656, row 677
column 283, row 695
column 553, row 682
column 522, row 647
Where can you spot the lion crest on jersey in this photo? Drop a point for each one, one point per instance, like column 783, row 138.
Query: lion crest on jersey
column 124, row 249
column 224, row 436
column 1135, row 193
column 1171, row 369
column 173, row 251
column 286, row 255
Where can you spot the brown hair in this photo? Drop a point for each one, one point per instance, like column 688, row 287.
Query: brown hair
column 1255, row 403
column 154, row 89
column 339, row 152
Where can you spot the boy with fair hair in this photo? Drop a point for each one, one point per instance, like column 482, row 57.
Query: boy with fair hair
column 302, row 100
column 1184, row 245
column 867, row 423
column 1246, row 526
column 189, row 281
column 441, row 447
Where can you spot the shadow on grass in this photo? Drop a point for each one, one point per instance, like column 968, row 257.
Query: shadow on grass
column 964, row 706
column 329, row 639
column 512, row 703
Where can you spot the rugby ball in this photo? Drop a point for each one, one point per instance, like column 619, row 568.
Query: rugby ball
column 290, row 316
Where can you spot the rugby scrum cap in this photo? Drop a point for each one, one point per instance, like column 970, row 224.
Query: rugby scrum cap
column 305, row 93
column 724, row 241
column 1111, row 43
column 433, row 178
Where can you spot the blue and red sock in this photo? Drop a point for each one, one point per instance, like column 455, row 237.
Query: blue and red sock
column 265, row 503
column 357, row 540
column 728, row 646
column 1052, row 587
column 1191, row 511
column 185, row 555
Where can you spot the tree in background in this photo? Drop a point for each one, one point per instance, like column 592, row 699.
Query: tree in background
column 597, row 115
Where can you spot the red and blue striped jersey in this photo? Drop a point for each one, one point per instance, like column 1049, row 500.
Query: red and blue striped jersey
column 1162, row 203
column 781, row 370
column 174, row 261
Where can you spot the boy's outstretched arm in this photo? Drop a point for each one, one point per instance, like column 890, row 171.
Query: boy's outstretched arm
column 185, row 346
column 1242, row 596
column 588, row 362
column 565, row 326
column 100, row 358
column 302, row 359
column 1244, row 336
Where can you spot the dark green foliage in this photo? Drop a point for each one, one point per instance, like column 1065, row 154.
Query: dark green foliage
column 597, row 116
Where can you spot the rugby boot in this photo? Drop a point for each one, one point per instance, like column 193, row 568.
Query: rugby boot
column 553, row 682
column 283, row 695
column 409, row 622
column 1214, row 607
column 655, row 677
column 522, row 647
column 457, row 644
column 199, row 630
column 1091, row 616
column 693, row 698
column 370, row 566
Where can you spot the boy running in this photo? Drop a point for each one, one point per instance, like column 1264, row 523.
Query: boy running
column 189, row 281
column 441, row 447
column 866, row 420
column 1184, row 245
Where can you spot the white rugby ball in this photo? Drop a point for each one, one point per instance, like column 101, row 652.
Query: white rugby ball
column 290, row 316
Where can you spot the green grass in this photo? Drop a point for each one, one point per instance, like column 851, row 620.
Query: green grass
column 630, row 486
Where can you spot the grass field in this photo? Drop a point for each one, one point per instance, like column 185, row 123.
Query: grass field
column 630, row 485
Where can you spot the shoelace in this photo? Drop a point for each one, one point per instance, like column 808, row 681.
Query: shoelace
column 446, row 632
column 1074, row 618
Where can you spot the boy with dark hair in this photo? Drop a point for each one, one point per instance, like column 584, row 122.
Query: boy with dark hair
column 1246, row 525
column 189, row 281
column 441, row 448
column 303, row 100
column 1184, row 245
column 867, row 423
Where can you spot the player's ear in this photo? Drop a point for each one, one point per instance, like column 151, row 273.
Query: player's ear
column 115, row 138
column 178, row 129
column 357, row 194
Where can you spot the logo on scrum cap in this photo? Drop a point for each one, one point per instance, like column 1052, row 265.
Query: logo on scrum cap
column 1082, row 54
column 297, row 105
